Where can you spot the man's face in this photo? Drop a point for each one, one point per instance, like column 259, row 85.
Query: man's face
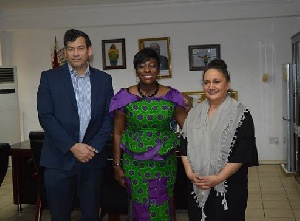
column 77, row 54
column 156, row 48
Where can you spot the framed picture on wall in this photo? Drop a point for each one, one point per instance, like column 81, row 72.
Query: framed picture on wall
column 162, row 47
column 233, row 94
column 201, row 55
column 195, row 96
column 199, row 96
column 114, row 54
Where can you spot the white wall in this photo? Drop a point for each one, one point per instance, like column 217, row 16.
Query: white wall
column 254, row 38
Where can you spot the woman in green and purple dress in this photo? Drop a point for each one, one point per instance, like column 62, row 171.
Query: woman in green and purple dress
column 145, row 142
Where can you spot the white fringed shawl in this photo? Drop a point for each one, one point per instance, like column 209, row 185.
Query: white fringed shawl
column 210, row 141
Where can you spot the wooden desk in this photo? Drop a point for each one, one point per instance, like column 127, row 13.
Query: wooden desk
column 24, row 184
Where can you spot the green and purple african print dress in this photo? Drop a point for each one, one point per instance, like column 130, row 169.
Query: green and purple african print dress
column 149, row 158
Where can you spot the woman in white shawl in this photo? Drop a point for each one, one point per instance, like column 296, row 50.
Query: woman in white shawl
column 220, row 148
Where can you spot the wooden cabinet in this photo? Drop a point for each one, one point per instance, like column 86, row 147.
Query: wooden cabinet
column 24, row 183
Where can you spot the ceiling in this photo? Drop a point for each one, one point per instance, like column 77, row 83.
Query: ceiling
column 34, row 4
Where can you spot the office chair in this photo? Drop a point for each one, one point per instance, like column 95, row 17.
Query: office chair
column 114, row 196
column 36, row 142
column 4, row 154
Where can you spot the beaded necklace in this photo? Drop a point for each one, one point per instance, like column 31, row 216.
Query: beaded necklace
column 151, row 95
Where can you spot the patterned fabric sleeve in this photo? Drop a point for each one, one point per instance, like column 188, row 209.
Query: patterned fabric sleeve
column 174, row 96
column 121, row 99
column 244, row 150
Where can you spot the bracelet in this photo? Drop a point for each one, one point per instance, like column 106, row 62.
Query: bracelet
column 116, row 164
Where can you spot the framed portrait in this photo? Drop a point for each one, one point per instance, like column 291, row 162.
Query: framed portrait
column 162, row 47
column 201, row 55
column 233, row 94
column 114, row 54
column 194, row 96
column 199, row 96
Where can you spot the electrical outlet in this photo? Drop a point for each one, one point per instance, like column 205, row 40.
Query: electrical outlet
column 274, row 140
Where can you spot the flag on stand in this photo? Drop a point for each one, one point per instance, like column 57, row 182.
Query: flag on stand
column 55, row 62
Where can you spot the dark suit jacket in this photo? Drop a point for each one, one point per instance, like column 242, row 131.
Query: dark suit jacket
column 58, row 116
column 163, row 62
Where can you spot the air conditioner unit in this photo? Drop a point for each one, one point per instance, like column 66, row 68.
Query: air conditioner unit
column 9, row 106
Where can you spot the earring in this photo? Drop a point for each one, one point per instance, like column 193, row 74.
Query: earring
column 229, row 92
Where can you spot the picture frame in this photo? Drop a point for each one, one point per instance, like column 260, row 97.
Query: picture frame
column 199, row 96
column 114, row 54
column 162, row 46
column 201, row 55
column 233, row 94
column 195, row 96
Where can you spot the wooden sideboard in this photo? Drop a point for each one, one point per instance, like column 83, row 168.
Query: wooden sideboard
column 24, row 183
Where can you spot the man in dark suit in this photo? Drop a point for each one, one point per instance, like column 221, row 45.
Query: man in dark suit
column 73, row 102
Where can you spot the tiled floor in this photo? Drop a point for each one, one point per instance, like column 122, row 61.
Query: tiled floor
column 273, row 196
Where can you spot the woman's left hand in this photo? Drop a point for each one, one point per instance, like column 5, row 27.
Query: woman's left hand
column 210, row 181
column 207, row 182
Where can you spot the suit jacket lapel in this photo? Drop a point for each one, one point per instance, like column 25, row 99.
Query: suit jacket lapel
column 69, row 85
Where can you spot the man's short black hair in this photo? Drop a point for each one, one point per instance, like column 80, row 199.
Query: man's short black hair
column 72, row 34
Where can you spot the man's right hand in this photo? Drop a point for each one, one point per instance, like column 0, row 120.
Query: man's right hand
column 83, row 152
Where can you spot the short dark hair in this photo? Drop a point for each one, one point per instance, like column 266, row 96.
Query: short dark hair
column 72, row 34
column 145, row 55
column 219, row 65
